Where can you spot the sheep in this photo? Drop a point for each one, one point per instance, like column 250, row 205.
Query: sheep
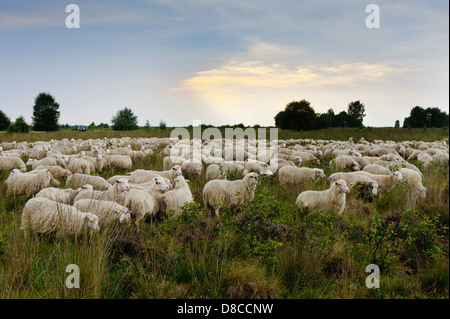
column 114, row 178
column 146, row 202
column 96, row 162
column 293, row 174
column 56, row 171
column 137, row 156
column 333, row 198
column 47, row 161
column 342, row 161
column 114, row 193
column 143, row 176
column 171, row 161
column 441, row 159
column 213, row 171
column 42, row 215
column 376, row 169
column 194, row 167
column 218, row 193
column 425, row 158
column 78, row 165
column 413, row 178
column 9, row 163
column 386, row 182
column 106, row 210
column 77, row 180
column 178, row 197
column 229, row 167
column 29, row 183
column 118, row 162
column 64, row 196
column 353, row 179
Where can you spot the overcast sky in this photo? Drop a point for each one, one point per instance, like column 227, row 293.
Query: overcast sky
column 223, row 61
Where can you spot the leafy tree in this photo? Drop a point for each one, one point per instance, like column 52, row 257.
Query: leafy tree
column 355, row 112
column 103, row 125
column 19, row 126
column 92, row 126
column 124, row 120
column 341, row 120
column 147, row 125
column 297, row 115
column 322, row 121
column 417, row 117
column 45, row 113
column 4, row 121
column 331, row 116
column 406, row 122
column 397, row 124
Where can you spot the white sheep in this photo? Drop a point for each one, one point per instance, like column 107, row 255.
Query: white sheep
column 353, row 179
column 77, row 180
column 343, row 161
column 47, row 161
column 9, row 163
column 107, row 211
column 146, row 202
column 143, row 176
column 56, row 171
column 213, row 171
column 376, row 169
column 293, row 174
column 332, row 199
column 78, row 165
column 178, row 197
column 114, row 193
column 386, row 182
column 62, row 195
column 413, row 178
column 42, row 215
column 29, row 183
column 441, row 159
column 218, row 193
column 118, row 162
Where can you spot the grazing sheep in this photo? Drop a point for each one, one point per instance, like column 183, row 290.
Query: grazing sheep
column 218, row 193
column 78, row 165
column 413, row 178
column 228, row 167
column 425, row 158
column 376, row 169
column 114, row 193
column 96, row 162
column 146, row 202
column 194, row 167
column 9, row 163
column 353, row 179
column 107, row 211
column 47, row 161
column 144, row 176
column 29, row 183
column 118, row 162
column 293, row 174
column 386, row 182
column 171, row 161
column 56, row 171
column 42, row 215
column 60, row 195
column 441, row 159
column 114, row 178
column 343, row 161
column 178, row 197
column 213, row 171
column 333, row 198
column 77, row 180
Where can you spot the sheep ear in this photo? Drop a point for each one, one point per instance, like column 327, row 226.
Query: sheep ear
column 115, row 211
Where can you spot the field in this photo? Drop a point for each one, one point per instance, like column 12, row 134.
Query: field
column 264, row 249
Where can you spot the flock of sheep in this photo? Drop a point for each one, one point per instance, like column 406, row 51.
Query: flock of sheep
column 89, row 202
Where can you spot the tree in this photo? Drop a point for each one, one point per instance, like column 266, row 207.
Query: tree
column 297, row 115
column 397, row 124
column 406, row 122
column 147, row 125
column 124, row 120
column 341, row 120
column 322, row 121
column 45, row 113
column 331, row 116
column 92, row 126
column 162, row 125
column 19, row 126
column 4, row 121
column 355, row 112
column 417, row 117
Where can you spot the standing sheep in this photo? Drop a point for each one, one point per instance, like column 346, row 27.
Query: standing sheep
column 178, row 197
column 107, row 211
column 61, row 195
column 293, row 174
column 28, row 183
column 77, row 180
column 114, row 194
column 42, row 215
column 9, row 163
column 218, row 193
column 330, row 199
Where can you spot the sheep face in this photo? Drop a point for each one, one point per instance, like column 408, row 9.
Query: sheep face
column 398, row 175
column 123, row 216
column 319, row 173
column 92, row 222
column 374, row 188
column 342, row 186
column 15, row 171
column 177, row 170
column 30, row 162
column 423, row 192
column 123, row 184
column 87, row 187
column 162, row 185
column 253, row 178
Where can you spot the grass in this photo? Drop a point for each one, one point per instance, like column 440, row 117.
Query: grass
column 264, row 249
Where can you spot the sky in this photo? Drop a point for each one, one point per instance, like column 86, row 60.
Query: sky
column 223, row 61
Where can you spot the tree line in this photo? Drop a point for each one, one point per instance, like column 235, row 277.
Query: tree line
column 300, row 116
column 423, row 118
